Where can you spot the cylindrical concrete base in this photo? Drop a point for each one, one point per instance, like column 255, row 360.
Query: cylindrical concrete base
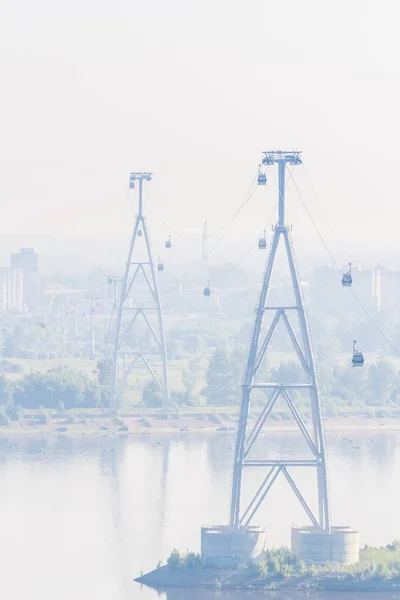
column 222, row 545
column 341, row 546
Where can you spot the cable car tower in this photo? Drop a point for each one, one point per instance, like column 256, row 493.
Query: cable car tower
column 139, row 303
column 241, row 516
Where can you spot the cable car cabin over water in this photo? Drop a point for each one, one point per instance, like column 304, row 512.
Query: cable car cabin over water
column 347, row 279
column 358, row 358
column 207, row 290
column 262, row 242
column 168, row 243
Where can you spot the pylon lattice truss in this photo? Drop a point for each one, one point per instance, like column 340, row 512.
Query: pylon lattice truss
column 138, row 331
column 261, row 339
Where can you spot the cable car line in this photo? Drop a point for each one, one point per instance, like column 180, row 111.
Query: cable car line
column 323, row 210
column 226, row 225
column 253, row 245
column 339, row 270
column 225, row 232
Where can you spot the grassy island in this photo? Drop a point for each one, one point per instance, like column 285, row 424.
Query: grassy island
column 377, row 570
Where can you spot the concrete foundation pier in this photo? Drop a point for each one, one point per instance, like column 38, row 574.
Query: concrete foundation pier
column 222, row 545
column 340, row 546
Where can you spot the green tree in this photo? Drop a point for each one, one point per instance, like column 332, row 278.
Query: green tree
column 382, row 379
column 56, row 386
column 223, row 378
column 191, row 378
column 151, row 395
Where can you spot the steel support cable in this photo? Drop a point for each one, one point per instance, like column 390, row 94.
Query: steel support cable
column 227, row 225
column 235, row 266
column 323, row 210
column 223, row 235
column 339, row 270
column 256, row 241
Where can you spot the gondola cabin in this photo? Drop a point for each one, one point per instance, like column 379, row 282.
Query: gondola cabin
column 262, row 179
column 262, row 242
column 160, row 266
column 358, row 358
column 207, row 290
column 168, row 243
column 347, row 279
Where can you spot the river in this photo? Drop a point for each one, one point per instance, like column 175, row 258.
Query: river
column 80, row 518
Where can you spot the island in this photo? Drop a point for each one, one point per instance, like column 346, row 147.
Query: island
column 378, row 570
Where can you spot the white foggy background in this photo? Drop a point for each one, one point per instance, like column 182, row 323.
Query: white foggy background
column 194, row 91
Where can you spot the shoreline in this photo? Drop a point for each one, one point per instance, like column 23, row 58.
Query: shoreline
column 163, row 578
column 135, row 424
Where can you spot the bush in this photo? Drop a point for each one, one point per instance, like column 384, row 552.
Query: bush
column 7, row 366
column 174, row 560
column 193, row 560
column 285, row 415
column 261, row 568
column 382, row 413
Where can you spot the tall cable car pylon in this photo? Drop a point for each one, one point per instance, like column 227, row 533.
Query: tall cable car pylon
column 241, row 516
column 139, row 303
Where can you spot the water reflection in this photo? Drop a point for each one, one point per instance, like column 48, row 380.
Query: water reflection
column 182, row 594
column 80, row 518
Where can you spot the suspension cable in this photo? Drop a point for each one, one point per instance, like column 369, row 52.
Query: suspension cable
column 235, row 266
column 230, row 223
column 226, row 225
column 339, row 270
column 323, row 210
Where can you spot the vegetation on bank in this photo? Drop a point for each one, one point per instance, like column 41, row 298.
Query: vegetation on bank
column 281, row 565
column 61, row 388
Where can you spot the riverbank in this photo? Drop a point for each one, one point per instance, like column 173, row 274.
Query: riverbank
column 96, row 422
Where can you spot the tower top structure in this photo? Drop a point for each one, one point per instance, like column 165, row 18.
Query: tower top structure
column 271, row 157
column 281, row 158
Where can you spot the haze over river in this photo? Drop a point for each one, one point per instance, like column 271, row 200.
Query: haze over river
column 80, row 518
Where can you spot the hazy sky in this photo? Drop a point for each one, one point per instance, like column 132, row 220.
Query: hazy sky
column 193, row 91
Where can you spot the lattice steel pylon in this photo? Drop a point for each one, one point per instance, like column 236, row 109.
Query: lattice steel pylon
column 138, row 303
column 241, row 516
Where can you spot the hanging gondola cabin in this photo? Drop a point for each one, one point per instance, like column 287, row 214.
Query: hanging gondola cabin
column 207, row 290
column 358, row 358
column 262, row 179
column 262, row 242
column 140, row 233
column 160, row 266
column 168, row 243
column 347, row 279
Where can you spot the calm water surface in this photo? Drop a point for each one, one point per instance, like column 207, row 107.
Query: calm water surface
column 81, row 518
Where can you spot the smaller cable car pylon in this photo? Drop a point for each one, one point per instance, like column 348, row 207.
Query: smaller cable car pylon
column 138, row 307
